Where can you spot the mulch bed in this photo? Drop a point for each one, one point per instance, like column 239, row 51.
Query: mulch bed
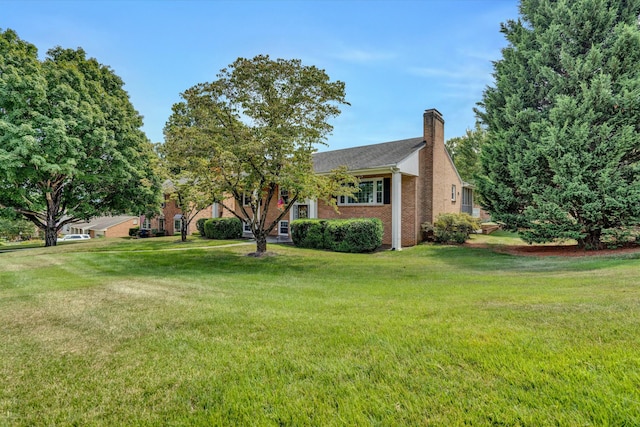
column 554, row 250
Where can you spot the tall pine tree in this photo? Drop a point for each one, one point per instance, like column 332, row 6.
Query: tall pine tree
column 562, row 157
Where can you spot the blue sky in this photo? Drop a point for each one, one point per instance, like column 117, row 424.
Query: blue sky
column 397, row 58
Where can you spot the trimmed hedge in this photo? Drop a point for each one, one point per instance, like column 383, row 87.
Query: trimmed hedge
column 200, row 225
column 308, row 233
column 223, row 228
column 339, row 235
column 133, row 232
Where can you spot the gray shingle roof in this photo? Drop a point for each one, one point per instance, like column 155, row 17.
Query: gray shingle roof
column 367, row 156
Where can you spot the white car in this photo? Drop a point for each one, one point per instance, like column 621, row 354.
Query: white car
column 74, row 238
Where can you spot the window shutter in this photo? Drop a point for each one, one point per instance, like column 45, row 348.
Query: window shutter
column 387, row 191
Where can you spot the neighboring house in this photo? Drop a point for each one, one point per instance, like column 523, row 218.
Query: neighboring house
column 105, row 226
column 404, row 183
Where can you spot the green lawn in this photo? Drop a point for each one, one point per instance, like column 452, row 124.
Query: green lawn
column 208, row 336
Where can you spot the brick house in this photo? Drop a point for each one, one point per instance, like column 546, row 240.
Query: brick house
column 105, row 226
column 404, row 183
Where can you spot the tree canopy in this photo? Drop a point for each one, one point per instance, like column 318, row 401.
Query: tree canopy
column 465, row 152
column 71, row 146
column 562, row 156
column 252, row 132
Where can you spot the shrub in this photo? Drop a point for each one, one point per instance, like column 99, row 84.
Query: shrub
column 340, row 235
column 614, row 238
column 453, row 228
column 200, row 225
column 308, row 233
column 354, row 235
column 223, row 228
column 133, row 232
column 160, row 233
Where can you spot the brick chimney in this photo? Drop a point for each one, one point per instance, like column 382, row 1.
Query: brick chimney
column 434, row 138
column 433, row 126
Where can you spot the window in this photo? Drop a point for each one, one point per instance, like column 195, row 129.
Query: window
column 146, row 225
column 246, row 227
column 453, row 193
column 246, row 199
column 301, row 212
column 371, row 193
column 284, row 228
column 284, row 196
column 161, row 224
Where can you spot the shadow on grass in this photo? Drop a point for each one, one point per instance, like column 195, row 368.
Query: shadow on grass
column 471, row 259
column 194, row 262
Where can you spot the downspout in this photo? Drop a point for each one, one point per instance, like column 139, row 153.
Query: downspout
column 396, row 209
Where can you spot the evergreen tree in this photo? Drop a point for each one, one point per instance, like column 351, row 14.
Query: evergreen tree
column 562, row 157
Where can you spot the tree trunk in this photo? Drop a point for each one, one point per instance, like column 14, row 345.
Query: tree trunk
column 592, row 240
column 183, row 229
column 51, row 227
column 261, row 244
column 50, row 236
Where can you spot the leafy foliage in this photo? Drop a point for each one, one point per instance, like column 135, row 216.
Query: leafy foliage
column 465, row 152
column 223, row 228
column 253, row 131
column 308, row 233
column 339, row 235
column 16, row 229
column 452, row 228
column 561, row 161
column 70, row 141
column 200, row 225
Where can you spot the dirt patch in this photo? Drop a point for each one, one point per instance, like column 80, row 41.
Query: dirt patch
column 553, row 250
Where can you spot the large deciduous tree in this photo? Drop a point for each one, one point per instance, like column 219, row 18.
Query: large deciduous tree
column 254, row 131
column 562, row 159
column 71, row 146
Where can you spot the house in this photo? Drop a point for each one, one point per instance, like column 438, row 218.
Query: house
column 404, row 183
column 105, row 226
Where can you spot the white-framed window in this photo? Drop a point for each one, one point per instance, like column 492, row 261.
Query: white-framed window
column 161, row 223
column 283, row 228
column 453, row 193
column 246, row 227
column 246, row 199
column 371, row 193
column 146, row 225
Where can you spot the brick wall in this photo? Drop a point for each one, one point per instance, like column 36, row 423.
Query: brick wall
column 171, row 209
column 121, row 230
column 410, row 226
column 272, row 213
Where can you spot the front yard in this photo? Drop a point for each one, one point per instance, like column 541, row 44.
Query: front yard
column 116, row 333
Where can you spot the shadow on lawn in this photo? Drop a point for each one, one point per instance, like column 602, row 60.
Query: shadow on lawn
column 469, row 258
column 205, row 263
